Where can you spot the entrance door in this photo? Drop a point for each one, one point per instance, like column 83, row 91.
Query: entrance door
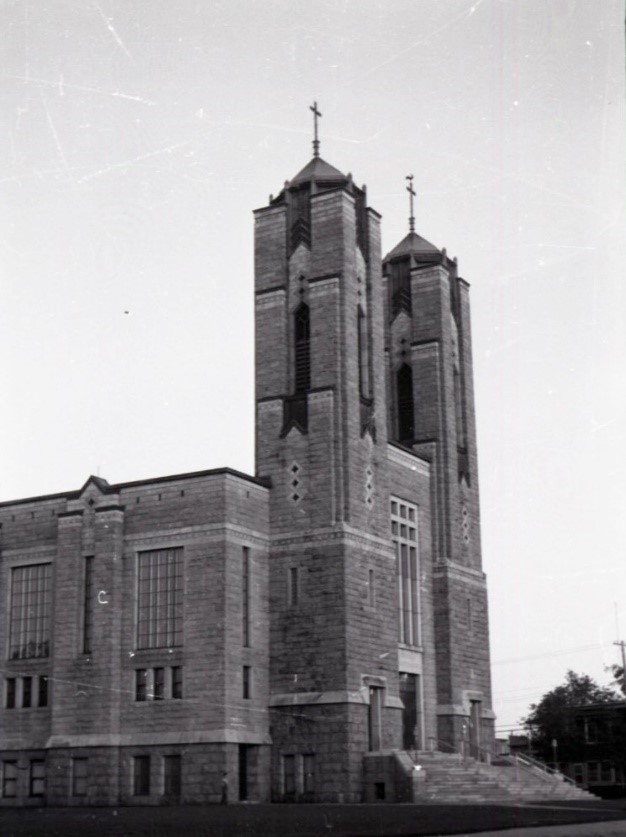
column 474, row 728
column 375, row 718
column 411, row 721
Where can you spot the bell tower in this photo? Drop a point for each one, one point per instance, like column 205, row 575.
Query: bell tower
column 431, row 411
column 321, row 443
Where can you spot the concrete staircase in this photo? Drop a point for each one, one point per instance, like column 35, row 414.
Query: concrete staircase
column 451, row 778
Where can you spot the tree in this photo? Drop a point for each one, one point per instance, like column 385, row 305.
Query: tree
column 550, row 719
column 618, row 677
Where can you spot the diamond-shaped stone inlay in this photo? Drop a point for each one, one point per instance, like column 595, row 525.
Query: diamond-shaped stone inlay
column 295, row 490
column 465, row 524
column 369, row 486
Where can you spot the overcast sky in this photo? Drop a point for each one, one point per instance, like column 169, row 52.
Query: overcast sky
column 138, row 137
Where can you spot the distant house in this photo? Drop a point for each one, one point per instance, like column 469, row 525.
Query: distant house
column 596, row 751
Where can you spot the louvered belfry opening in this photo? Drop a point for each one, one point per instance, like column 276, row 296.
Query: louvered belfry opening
column 302, row 354
column 404, row 384
column 400, row 288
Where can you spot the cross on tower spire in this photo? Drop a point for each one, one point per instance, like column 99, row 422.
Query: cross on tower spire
column 316, row 142
column 412, row 194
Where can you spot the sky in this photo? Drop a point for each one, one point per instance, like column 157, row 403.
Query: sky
column 137, row 138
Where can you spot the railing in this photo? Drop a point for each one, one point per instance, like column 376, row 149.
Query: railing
column 530, row 761
column 463, row 748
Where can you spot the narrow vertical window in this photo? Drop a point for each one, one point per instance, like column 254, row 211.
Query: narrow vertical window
column 27, row 692
column 289, row 775
column 141, row 775
column 172, row 775
column 404, row 536
column 245, row 595
column 458, row 383
column 371, row 593
column 404, row 387
column 375, row 718
column 37, row 785
column 246, row 682
column 9, row 779
column 302, row 348
column 177, row 682
column 470, row 619
column 10, row 693
column 42, row 692
column 293, row 593
column 79, row 776
column 159, row 684
column 141, row 682
column 363, row 345
column 88, row 606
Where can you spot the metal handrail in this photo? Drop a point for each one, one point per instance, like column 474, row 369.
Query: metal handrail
column 461, row 748
column 524, row 758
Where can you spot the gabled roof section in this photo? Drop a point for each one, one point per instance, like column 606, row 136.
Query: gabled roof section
column 413, row 245
column 99, row 482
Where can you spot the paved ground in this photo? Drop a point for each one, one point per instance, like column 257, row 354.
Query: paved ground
column 310, row 820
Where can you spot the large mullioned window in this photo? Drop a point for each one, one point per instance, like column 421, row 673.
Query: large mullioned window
column 160, row 598
column 404, row 536
column 30, row 612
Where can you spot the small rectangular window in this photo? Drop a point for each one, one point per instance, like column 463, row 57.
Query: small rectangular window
column 177, row 682
column 593, row 771
column 293, row 592
column 42, row 696
column 159, row 684
column 37, row 784
column 9, row 779
column 606, row 772
column 141, row 679
column 9, row 701
column 246, row 682
column 27, row 692
column 289, row 775
column 141, row 775
column 79, row 776
column 371, row 597
column 172, row 775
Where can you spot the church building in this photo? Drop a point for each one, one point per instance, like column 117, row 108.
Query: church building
column 300, row 634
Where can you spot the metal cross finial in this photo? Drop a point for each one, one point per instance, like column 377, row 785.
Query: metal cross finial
column 412, row 194
column 316, row 142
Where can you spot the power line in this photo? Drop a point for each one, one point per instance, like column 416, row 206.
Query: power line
column 546, row 654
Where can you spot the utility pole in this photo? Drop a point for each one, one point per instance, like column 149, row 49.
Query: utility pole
column 622, row 645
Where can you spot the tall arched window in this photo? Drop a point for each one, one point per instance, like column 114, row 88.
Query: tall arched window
column 404, row 389
column 302, row 348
